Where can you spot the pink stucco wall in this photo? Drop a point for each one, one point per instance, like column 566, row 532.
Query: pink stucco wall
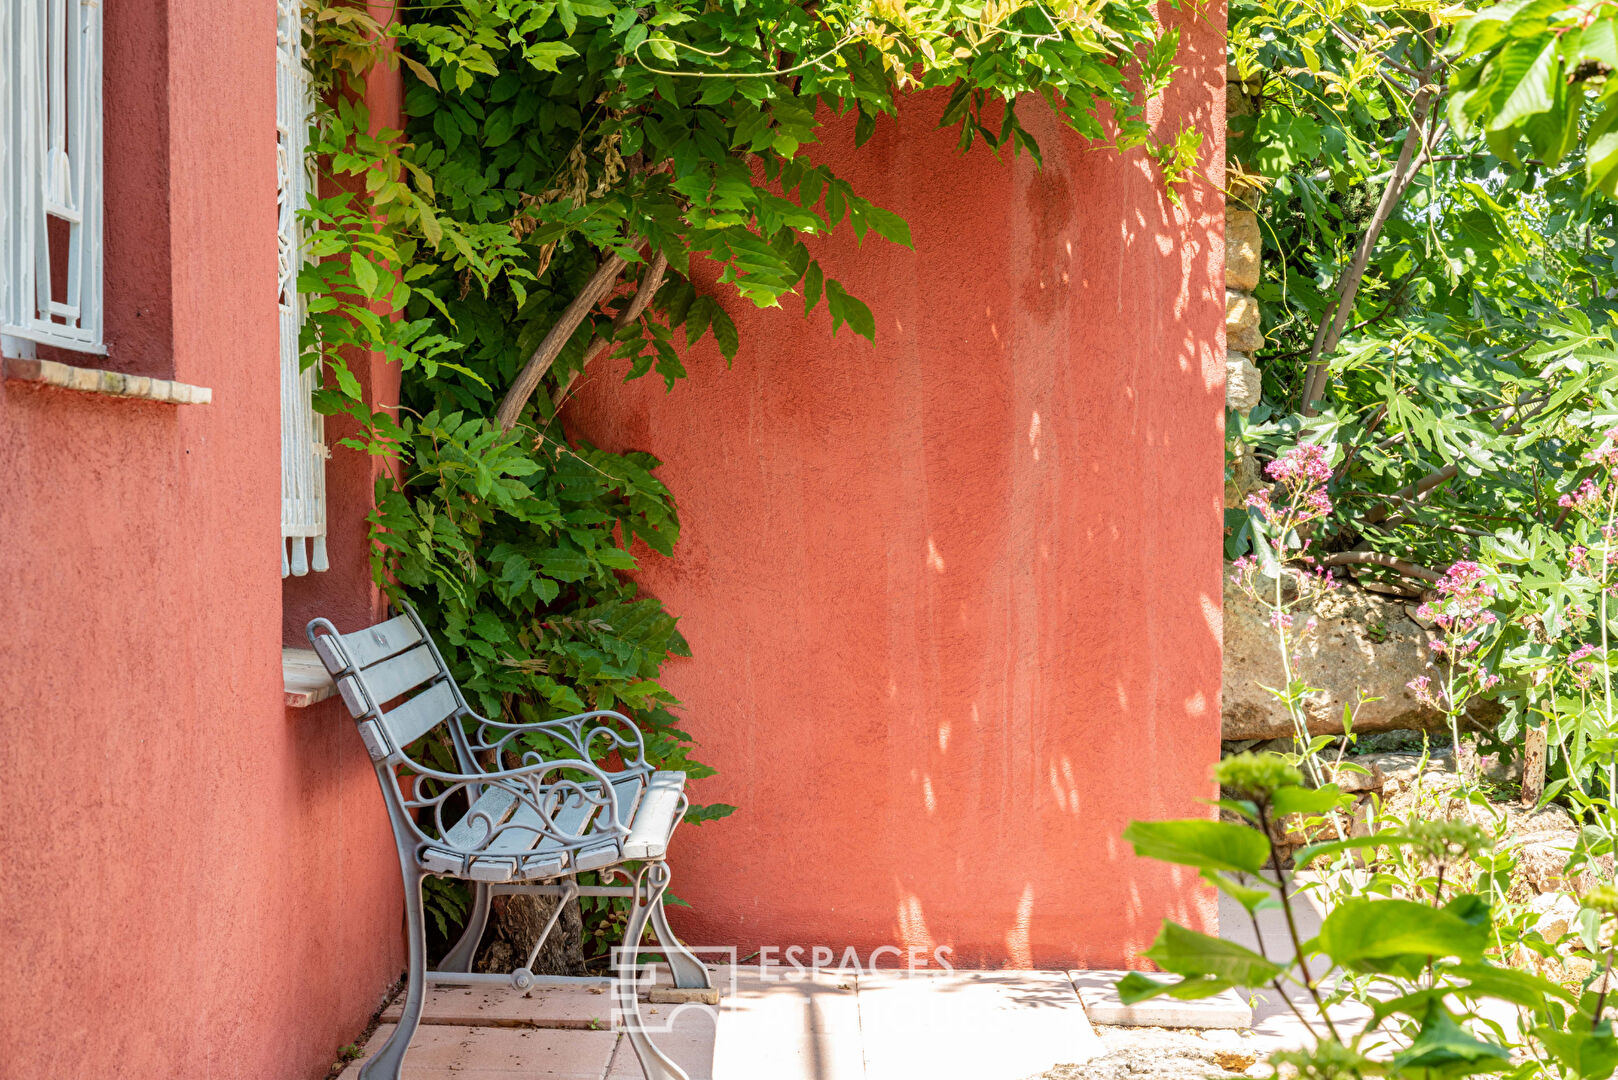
column 198, row 880
column 954, row 599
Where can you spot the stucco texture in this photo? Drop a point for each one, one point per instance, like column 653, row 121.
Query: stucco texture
column 198, row 881
column 954, row 599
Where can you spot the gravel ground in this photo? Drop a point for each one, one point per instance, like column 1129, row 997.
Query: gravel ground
column 1139, row 1053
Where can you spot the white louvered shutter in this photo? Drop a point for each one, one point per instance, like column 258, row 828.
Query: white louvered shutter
column 50, row 174
column 303, row 449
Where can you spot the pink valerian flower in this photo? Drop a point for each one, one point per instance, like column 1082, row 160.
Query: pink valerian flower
column 1303, row 465
column 1576, row 556
column 1422, row 687
column 1280, row 620
column 1607, row 453
column 1463, row 600
column 1301, row 473
column 1582, row 667
column 1464, row 579
column 1583, row 498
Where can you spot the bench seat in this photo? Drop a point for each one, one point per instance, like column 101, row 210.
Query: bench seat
column 648, row 804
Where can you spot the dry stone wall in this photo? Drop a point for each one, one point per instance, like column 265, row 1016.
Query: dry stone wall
column 1244, row 249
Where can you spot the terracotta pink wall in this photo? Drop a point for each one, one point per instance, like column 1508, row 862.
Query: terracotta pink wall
column 199, row 881
column 954, row 600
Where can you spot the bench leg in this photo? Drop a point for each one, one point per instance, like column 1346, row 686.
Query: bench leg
column 465, row 951
column 389, row 1061
column 650, row 883
column 688, row 971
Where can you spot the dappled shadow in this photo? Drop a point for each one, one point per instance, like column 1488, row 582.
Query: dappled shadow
column 953, row 599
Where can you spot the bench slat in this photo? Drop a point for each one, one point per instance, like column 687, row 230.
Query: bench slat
column 522, row 831
column 420, row 714
column 394, row 676
column 496, row 803
column 365, row 647
column 626, row 793
column 520, row 850
column 654, row 818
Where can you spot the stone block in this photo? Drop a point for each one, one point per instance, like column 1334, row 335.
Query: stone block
column 1103, row 1006
column 1241, row 323
column 1243, row 385
column 1243, row 249
column 1243, row 475
column 676, row 995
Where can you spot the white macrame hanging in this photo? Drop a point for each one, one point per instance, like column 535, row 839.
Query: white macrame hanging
column 303, row 444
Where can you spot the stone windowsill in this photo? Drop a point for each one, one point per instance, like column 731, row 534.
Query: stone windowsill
column 100, row 381
column 304, row 678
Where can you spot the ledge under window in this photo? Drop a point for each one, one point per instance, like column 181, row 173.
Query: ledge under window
column 305, row 678
column 100, row 381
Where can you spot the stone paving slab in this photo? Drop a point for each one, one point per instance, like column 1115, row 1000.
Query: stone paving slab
column 1103, row 1005
column 587, row 1007
column 443, row 1052
column 982, row 1025
column 689, row 1038
column 782, row 1025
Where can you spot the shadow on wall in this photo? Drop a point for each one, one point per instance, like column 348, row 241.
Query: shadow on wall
column 953, row 601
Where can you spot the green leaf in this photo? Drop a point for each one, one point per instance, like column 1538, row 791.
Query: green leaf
column 1361, row 930
column 1134, row 988
column 1485, row 980
column 845, row 308
column 1586, row 1053
column 1284, row 142
column 1443, row 1048
column 365, row 275
column 1526, row 80
column 1309, row 854
column 1309, row 801
column 813, row 283
column 1207, row 845
column 1186, row 952
column 1253, row 898
column 889, row 225
column 724, row 332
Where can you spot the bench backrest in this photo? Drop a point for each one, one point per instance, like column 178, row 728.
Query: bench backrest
column 392, row 679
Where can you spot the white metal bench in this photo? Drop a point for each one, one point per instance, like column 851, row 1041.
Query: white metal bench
column 532, row 826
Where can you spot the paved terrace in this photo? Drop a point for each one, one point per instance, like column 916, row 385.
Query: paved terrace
column 775, row 1024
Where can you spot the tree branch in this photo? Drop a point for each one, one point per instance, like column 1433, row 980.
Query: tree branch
column 1442, row 476
column 600, row 284
column 1413, row 493
column 649, row 284
column 1404, row 170
column 1376, row 558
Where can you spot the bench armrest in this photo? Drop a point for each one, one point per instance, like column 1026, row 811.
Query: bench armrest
column 568, row 801
column 589, row 734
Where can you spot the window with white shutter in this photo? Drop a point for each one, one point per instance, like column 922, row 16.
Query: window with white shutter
column 50, row 175
column 303, row 448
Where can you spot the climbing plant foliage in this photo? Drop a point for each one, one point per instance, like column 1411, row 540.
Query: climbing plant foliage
column 580, row 148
